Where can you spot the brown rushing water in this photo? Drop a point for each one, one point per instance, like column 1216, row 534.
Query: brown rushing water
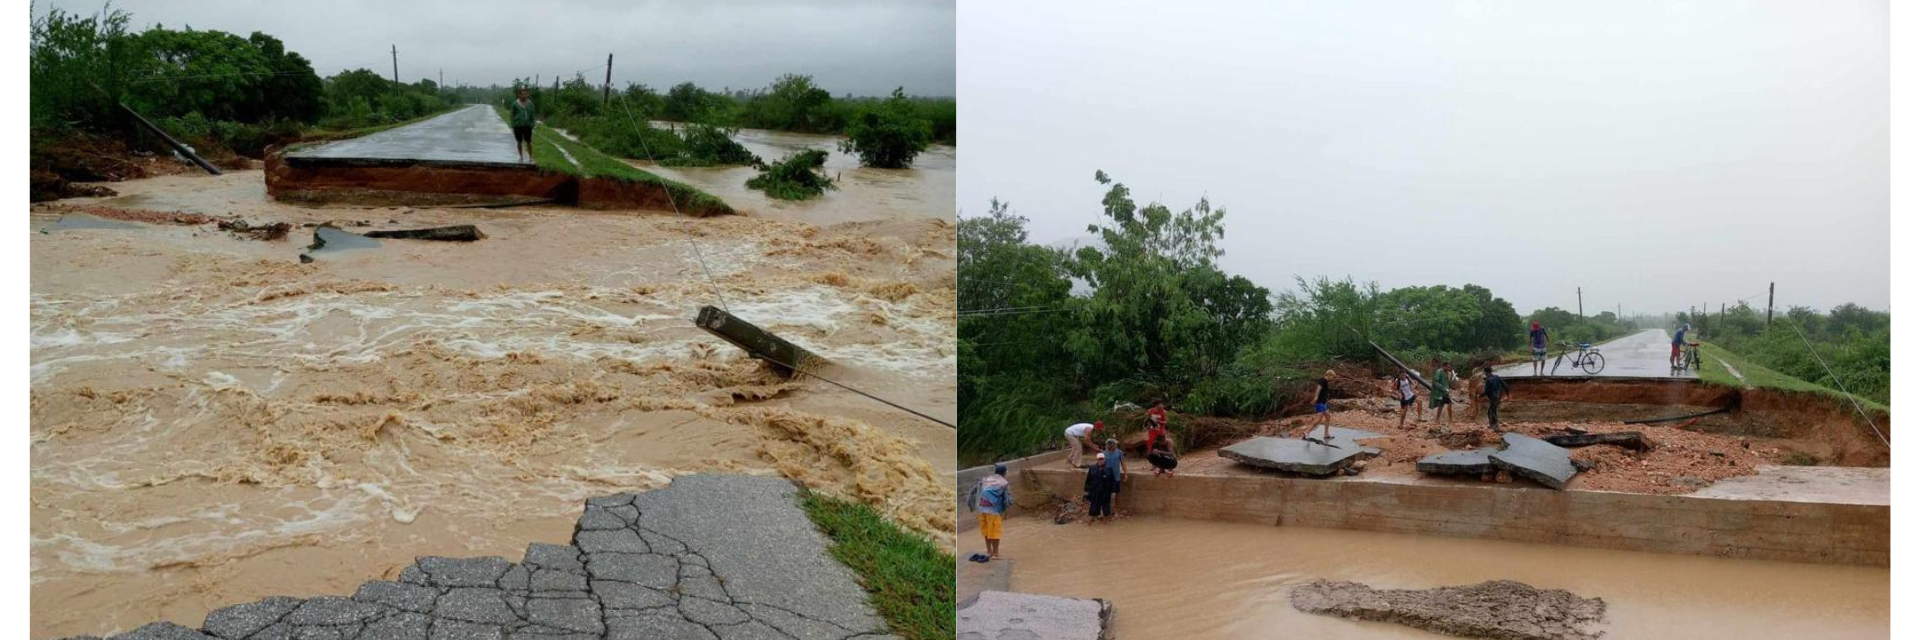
column 1173, row 578
column 862, row 192
column 213, row 422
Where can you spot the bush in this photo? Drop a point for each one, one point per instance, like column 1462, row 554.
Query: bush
column 794, row 178
column 888, row 135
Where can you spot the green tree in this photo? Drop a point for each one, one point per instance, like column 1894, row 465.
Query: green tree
column 888, row 135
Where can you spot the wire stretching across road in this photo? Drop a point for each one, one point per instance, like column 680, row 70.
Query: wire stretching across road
column 1836, row 381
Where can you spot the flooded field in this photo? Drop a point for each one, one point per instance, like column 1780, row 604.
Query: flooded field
column 214, row 422
column 1171, row 578
column 864, row 194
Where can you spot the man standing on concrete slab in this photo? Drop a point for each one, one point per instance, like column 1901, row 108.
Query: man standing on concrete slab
column 1077, row 439
column 1442, row 393
column 1322, row 417
column 990, row 499
column 522, row 119
column 1493, row 389
column 1537, row 336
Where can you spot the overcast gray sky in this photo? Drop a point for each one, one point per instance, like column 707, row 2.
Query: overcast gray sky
column 1658, row 154
column 864, row 47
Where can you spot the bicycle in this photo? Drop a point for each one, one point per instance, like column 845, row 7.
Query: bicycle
column 1587, row 359
column 1689, row 358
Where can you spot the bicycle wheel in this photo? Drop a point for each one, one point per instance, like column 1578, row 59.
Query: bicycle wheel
column 1593, row 363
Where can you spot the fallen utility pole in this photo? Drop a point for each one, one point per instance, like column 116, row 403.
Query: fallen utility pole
column 456, row 233
column 785, row 356
column 1396, row 361
column 177, row 146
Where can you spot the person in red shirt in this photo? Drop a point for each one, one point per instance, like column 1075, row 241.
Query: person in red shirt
column 1160, row 445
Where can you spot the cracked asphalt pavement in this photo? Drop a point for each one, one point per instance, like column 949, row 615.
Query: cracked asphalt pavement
column 710, row 557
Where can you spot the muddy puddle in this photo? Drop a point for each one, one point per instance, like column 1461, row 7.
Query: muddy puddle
column 1171, row 578
column 214, row 422
column 864, row 194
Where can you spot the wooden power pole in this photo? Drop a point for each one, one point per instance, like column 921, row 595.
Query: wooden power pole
column 606, row 94
column 1580, row 299
column 396, row 64
column 1769, row 304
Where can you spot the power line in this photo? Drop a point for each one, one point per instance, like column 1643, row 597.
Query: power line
column 1837, row 382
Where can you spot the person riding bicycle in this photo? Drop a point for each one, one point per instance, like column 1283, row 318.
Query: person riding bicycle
column 1679, row 340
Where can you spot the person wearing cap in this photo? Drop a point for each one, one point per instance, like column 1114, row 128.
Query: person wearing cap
column 1160, row 451
column 989, row 499
column 1114, row 461
column 1322, row 418
column 1099, row 488
column 1538, row 337
column 1679, row 340
column 1077, row 438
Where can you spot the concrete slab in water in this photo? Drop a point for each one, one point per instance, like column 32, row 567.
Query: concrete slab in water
column 1293, row 455
column 1473, row 462
column 475, row 135
column 1534, row 459
column 1000, row 615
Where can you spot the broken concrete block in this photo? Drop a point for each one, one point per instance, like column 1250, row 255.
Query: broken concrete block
column 1292, row 455
column 1000, row 614
column 1535, row 459
column 1471, row 463
column 1495, row 609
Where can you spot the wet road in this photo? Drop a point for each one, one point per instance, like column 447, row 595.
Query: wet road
column 472, row 134
column 1640, row 355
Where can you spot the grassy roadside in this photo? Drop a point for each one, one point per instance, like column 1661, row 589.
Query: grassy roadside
column 1712, row 370
column 548, row 145
column 908, row 578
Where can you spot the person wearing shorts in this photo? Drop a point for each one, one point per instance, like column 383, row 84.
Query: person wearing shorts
column 990, row 499
column 1322, row 418
column 522, row 118
column 1404, row 385
column 1538, row 337
column 1442, row 396
column 1077, row 440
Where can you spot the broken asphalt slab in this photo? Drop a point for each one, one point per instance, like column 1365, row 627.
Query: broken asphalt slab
column 1465, row 463
column 1000, row 615
column 1495, row 609
column 708, row 557
column 1534, row 459
column 1294, row 455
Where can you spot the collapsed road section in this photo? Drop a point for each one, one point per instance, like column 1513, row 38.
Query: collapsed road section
column 465, row 156
column 710, row 556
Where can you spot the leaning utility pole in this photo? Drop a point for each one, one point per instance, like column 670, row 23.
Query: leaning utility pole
column 606, row 94
column 396, row 64
column 1769, row 304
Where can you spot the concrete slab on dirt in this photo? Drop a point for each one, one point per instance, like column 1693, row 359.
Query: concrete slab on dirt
column 1640, row 355
column 974, row 578
column 999, row 614
column 1294, row 455
column 1493, row 609
column 1463, row 463
column 1534, row 459
column 1831, row 485
column 473, row 135
column 730, row 553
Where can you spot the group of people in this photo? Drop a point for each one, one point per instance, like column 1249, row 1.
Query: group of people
column 1440, row 395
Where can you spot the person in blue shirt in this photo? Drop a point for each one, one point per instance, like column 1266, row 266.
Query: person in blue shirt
column 1114, row 467
column 990, row 499
column 1679, row 339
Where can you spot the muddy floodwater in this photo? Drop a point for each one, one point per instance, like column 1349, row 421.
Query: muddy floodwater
column 214, row 422
column 1173, row 578
column 862, row 193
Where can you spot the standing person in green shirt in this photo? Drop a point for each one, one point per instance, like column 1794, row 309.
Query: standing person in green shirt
column 1442, row 396
column 523, row 117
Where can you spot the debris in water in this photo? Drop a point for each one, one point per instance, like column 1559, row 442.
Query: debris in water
column 330, row 239
column 273, row 231
column 456, row 233
column 1497, row 609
